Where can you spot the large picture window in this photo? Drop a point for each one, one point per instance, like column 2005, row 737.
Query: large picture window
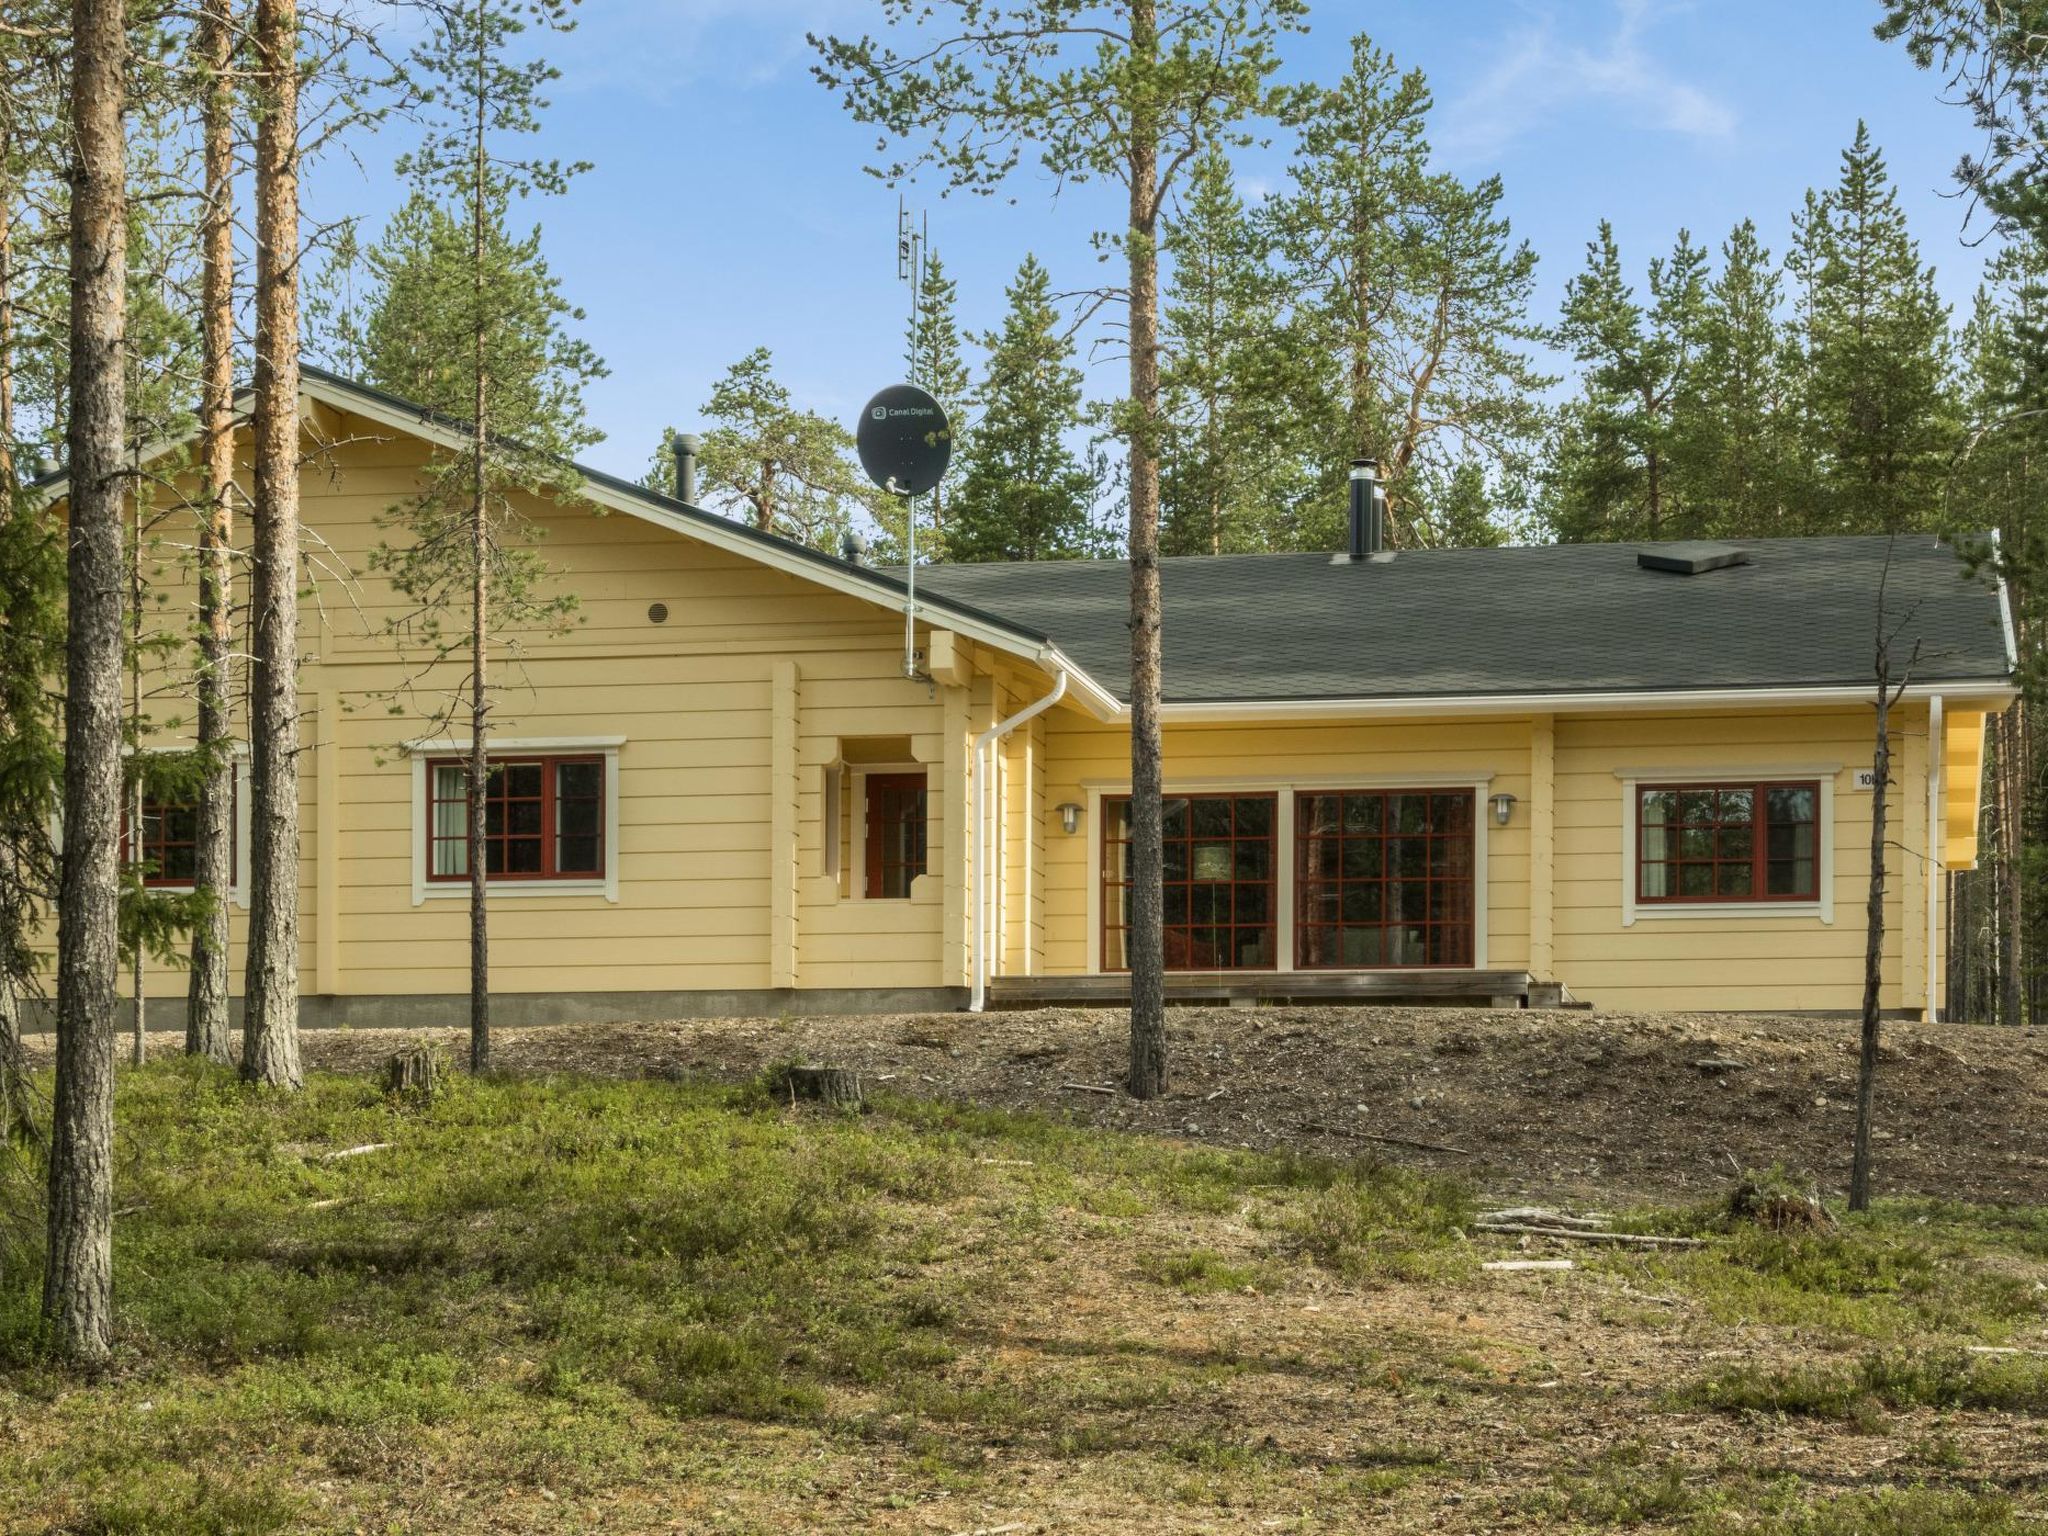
column 544, row 819
column 1383, row 878
column 1219, row 883
column 1728, row 842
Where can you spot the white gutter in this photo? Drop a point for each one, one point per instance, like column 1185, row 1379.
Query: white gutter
column 977, row 795
column 1937, row 757
column 1991, row 692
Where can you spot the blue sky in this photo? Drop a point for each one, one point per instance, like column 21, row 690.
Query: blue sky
column 728, row 207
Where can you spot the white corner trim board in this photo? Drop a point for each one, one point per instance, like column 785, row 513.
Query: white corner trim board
column 1634, row 911
column 425, row 890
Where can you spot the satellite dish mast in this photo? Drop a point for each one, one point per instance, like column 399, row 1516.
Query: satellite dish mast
column 896, row 464
column 905, row 444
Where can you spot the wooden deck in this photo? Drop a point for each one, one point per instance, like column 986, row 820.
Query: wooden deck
column 1481, row 989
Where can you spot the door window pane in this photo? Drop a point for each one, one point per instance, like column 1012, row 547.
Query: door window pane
column 1384, row 878
column 1218, row 901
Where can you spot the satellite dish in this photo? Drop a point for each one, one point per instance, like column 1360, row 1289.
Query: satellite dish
column 905, row 440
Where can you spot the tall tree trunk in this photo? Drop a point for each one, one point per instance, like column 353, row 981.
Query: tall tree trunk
column 480, row 598
column 2007, row 727
column 1147, row 956
column 270, row 989
column 138, row 959
column 7, row 194
column 207, row 1031
column 10, row 1002
column 1873, row 944
column 78, row 1299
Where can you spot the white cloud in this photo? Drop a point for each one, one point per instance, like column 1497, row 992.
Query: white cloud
column 1538, row 74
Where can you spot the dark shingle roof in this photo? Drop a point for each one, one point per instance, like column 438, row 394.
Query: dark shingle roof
column 1568, row 618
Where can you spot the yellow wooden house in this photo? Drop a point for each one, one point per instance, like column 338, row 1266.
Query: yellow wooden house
column 757, row 778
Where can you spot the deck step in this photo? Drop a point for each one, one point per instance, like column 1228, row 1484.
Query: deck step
column 1470, row 988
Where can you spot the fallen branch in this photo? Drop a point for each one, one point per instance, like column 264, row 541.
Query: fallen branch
column 1544, row 1216
column 1575, row 1235
column 1087, row 1088
column 328, row 1205
column 1392, row 1141
column 366, row 1147
column 995, row 1530
column 1521, row 1264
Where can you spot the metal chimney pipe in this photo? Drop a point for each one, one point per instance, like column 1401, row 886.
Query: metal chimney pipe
column 1368, row 510
column 687, row 445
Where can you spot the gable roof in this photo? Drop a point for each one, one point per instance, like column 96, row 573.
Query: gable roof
column 617, row 494
column 1527, row 622
column 1451, row 630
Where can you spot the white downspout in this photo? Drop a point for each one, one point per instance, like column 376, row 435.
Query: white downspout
column 977, row 776
column 1937, row 762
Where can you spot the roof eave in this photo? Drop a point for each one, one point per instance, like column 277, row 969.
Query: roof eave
column 1991, row 692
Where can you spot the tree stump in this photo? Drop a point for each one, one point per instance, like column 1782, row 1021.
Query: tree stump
column 820, row 1084
column 413, row 1073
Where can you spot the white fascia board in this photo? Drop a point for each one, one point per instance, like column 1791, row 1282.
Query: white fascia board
column 1992, row 693
column 1098, row 700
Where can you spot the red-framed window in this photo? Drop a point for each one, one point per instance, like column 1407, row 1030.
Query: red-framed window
column 1728, row 842
column 1219, row 885
column 1383, row 877
column 543, row 819
column 169, row 846
column 897, row 833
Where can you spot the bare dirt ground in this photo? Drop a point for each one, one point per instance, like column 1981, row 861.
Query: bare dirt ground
column 1552, row 1105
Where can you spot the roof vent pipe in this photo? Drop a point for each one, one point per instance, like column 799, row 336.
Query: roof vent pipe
column 687, row 444
column 1368, row 510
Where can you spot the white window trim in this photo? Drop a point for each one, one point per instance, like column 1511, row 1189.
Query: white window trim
column 1285, row 790
column 425, row 890
column 1634, row 910
column 857, row 844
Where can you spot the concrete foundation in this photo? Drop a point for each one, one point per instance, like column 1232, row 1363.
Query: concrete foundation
column 516, row 1010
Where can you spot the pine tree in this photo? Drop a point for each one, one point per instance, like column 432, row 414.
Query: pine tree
column 1229, row 469
column 270, row 987
column 2000, row 482
column 1611, row 476
column 1025, row 496
column 32, row 552
column 1414, row 284
column 1731, row 436
column 78, row 1263
column 206, row 1002
column 784, row 470
column 938, row 364
column 1877, row 371
column 472, row 323
column 1126, row 90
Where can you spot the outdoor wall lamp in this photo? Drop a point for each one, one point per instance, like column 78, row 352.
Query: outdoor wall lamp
column 1503, row 808
column 1070, row 818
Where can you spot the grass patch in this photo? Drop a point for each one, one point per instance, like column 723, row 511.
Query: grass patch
column 1944, row 1379
column 556, row 1304
column 1197, row 1272
column 1901, row 1270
